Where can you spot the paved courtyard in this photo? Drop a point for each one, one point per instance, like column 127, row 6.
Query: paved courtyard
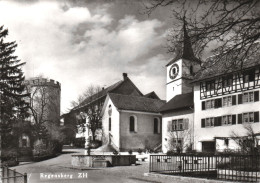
column 62, row 165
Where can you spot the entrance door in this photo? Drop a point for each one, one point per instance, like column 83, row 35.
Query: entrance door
column 208, row 146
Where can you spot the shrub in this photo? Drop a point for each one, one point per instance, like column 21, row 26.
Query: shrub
column 115, row 152
column 130, row 151
column 95, row 144
column 9, row 154
column 140, row 151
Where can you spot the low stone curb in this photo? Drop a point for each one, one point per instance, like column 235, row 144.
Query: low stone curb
column 185, row 179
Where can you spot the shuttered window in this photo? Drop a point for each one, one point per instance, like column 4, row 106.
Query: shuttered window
column 233, row 119
column 234, row 100
column 203, row 105
column 256, row 116
column 256, row 96
column 239, row 118
column 240, row 98
column 202, row 123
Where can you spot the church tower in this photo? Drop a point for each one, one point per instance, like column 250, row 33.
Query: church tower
column 181, row 69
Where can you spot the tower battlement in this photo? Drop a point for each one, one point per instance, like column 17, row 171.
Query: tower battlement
column 42, row 82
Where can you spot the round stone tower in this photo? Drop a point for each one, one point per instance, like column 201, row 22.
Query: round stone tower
column 44, row 100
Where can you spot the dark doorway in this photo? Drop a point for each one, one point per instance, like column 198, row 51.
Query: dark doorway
column 208, row 146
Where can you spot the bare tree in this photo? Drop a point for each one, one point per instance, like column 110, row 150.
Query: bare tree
column 248, row 144
column 229, row 29
column 179, row 140
column 44, row 108
column 90, row 109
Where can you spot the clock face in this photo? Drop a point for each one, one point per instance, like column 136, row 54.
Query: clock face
column 174, row 70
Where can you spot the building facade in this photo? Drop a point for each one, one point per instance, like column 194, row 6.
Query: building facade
column 219, row 103
column 224, row 104
column 131, row 122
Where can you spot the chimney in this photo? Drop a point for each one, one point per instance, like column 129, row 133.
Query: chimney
column 124, row 76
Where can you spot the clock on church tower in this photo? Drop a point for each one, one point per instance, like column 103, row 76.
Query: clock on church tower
column 181, row 69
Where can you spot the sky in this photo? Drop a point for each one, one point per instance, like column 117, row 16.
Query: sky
column 83, row 43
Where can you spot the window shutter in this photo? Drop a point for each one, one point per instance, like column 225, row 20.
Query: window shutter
column 240, row 96
column 186, row 124
column 203, row 105
column 252, row 75
column 234, row 100
column 256, row 116
column 239, row 120
column 216, row 103
column 169, row 126
column 216, row 121
column 233, row 119
column 256, row 93
column 202, row 123
column 220, row 102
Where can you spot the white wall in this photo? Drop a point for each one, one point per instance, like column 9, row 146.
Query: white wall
column 115, row 138
column 144, row 137
column 185, row 114
column 170, row 93
column 208, row 133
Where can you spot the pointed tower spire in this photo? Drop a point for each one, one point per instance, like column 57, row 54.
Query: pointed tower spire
column 187, row 51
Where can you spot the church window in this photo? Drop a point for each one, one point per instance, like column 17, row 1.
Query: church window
column 109, row 124
column 156, row 125
column 132, row 124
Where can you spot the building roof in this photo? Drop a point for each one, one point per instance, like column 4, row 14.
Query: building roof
column 98, row 95
column 212, row 68
column 186, row 52
column 178, row 102
column 152, row 95
column 136, row 103
column 105, row 91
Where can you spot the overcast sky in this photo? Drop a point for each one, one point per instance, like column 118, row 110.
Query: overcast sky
column 80, row 43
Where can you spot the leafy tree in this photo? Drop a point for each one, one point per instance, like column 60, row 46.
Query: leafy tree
column 229, row 29
column 12, row 94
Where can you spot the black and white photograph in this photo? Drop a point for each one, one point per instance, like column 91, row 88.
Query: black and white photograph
column 129, row 91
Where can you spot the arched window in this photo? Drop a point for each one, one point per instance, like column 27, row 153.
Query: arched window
column 156, row 125
column 109, row 124
column 132, row 123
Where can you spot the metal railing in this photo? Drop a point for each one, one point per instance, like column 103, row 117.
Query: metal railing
column 11, row 176
column 235, row 167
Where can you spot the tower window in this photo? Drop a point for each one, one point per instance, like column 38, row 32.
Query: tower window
column 174, row 70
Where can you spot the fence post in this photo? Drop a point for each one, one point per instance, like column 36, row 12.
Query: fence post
column 7, row 172
column 14, row 171
column 25, row 177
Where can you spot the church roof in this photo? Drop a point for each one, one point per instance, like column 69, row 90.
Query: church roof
column 105, row 91
column 152, row 95
column 178, row 102
column 136, row 103
column 186, row 51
